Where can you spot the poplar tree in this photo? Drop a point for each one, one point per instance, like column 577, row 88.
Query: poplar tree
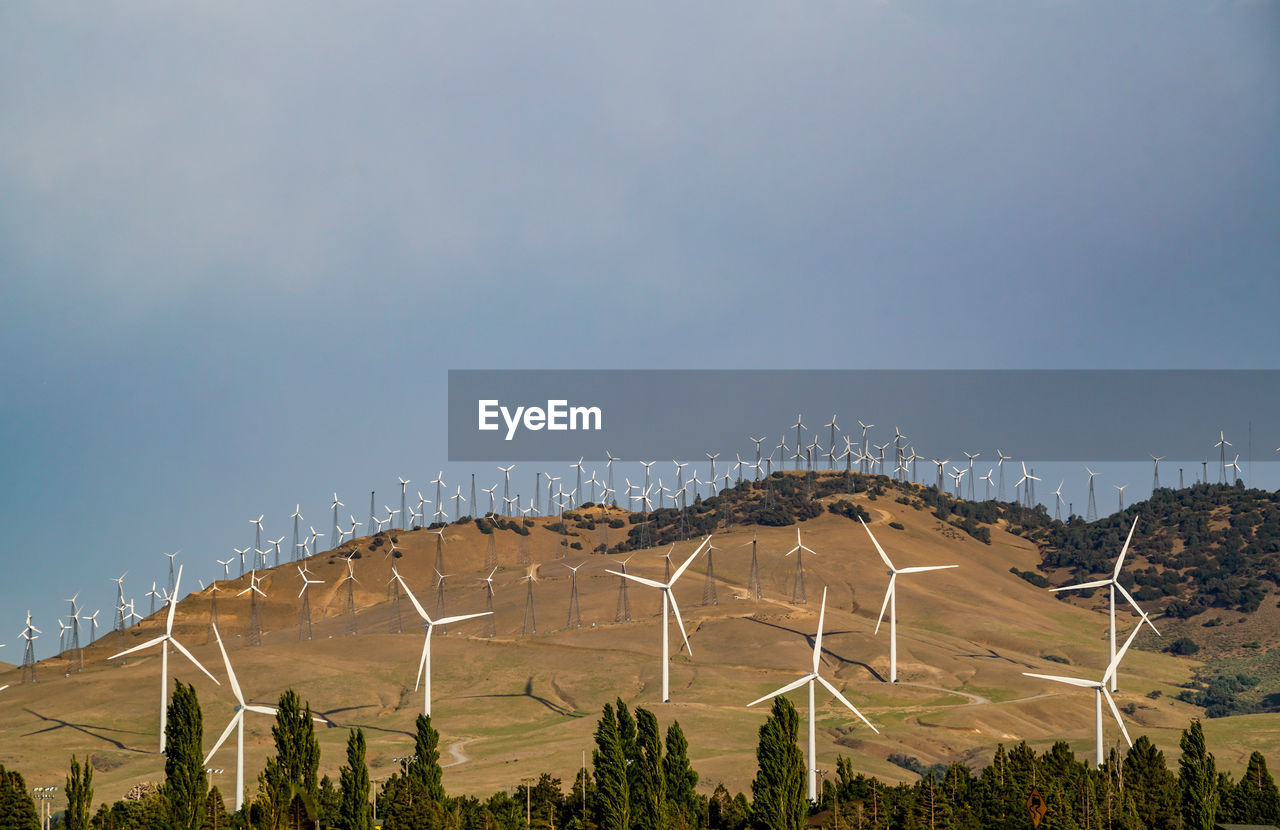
column 354, row 813
column 425, row 768
column 17, row 808
column 1197, row 780
column 294, row 771
column 649, row 791
column 681, row 780
column 1257, row 800
column 612, row 794
column 79, row 795
column 1153, row 787
column 778, row 789
column 186, row 784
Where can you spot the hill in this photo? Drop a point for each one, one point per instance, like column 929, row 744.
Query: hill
column 511, row 706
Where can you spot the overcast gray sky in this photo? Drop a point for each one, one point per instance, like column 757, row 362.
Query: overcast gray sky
column 241, row 244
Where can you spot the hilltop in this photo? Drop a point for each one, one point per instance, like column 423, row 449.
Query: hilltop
column 510, row 706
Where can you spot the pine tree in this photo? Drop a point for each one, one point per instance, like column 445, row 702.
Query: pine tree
column 353, row 814
column 1257, row 800
column 425, row 766
column 778, row 788
column 1197, row 780
column 186, row 785
column 292, row 775
column 17, row 809
column 612, row 806
column 1152, row 785
column 79, row 795
column 215, row 811
column 330, row 802
column 649, row 790
column 681, row 781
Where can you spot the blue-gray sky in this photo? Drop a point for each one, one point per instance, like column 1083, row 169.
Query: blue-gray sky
column 241, row 245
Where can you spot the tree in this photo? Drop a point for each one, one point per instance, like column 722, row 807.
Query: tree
column 215, row 812
column 186, row 785
column 649, row 789
column 613, row 800
column 424, row 767
column 778, row 788
column 353, row 814
column 1257, row 800
column 290, row 782
column 79, row 795
column 1152, row 785
column 681, row 780
column 1197, row 780
column 17, row 809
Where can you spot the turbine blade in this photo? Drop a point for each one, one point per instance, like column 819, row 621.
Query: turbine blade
column 231, row 675
column 922, row 568
column 180, row 647
column 225, row 734
column 1137, row 608
column 422, row 661
column 817, row 641
column 461, row 618
column 879, row 549
column 147, row 644
column 651, row 583
column 261, row 710
column 689, row 561
column 884, row 605
column 1115, row 663
column 1125, row 549
column 1116, row 711
column 417, row 606
column 1074, row 681
column 680, row 622
column 173, row 602
column 1101, row 583
column 787, row 688
column 842, row 699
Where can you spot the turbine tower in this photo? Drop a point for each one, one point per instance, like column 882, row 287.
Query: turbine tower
column 1120, row 494
column 1091, row 510
column 575, row 613
column 237, row 723
column 1099, row 693
column 1113, row 583
column 797, row 426
column 255, row 611
column 668, row 604
column 753, row 579
column 623, row 612
column 488, row 603
column 809, row 679
column 1155, row 474
column 529, row 617
column 709, row 596
column 164, row 640
column 297, row 517
column 891, row 600
column 1221, row 446
column 171, row 556
column 30, row 633
column 424, row 665
column 349, row 600
column 1001, row 458
column 304, row 610
column 797, row 583
column 971, row 456
column 831, row 448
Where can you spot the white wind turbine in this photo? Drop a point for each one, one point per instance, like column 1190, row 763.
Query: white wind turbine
column 668, row 604
column 987, row 479
column 797, row 583
column 810, row 678
column 1058, row 500
column 891, row 600
column 237, row 723
column 424, row 665
column 164, row 641
column 1113, row 582
column 1099, row 692
column 337, row 531
column 1120, row 494
column 404, row 482
column 1027, row 478
column 506, row 482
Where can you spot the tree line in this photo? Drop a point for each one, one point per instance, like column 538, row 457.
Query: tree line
column 641, row 779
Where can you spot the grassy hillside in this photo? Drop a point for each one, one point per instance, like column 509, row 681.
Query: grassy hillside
column 512, row 706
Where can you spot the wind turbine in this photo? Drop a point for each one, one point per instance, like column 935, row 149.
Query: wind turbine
column 275, row 543
column 171, row 556
column 529, row 615
column 757, row 442
column 623, row 612
column 438, row 481
column 1221, row 446
column 971, row 456
column 29, row 653
column 506, row 483
column 337, row 531
column 891, row 600
column 1027, row 478
column 797, row 583
column 297, row 517
column 1058, row 500
column 1091, row 510
column 1000, row 459
column 424, row 665
column 404, row 482
column 255, row 613
column 575, row 614
column 797, row 426
column 609, row 464
column 257, row 533
column 1113, row 582
column 1120, row 494
column 237, row 723
column 164, row 640
column 1155, row 474
column 987, row 479
column 866, row 447
column 304, row 610
column 490, row 491
column 668, row 602
column 1099, row 693
column 831, row 448
column 809, row 679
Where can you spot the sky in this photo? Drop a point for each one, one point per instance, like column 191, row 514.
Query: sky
column 241, row 245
